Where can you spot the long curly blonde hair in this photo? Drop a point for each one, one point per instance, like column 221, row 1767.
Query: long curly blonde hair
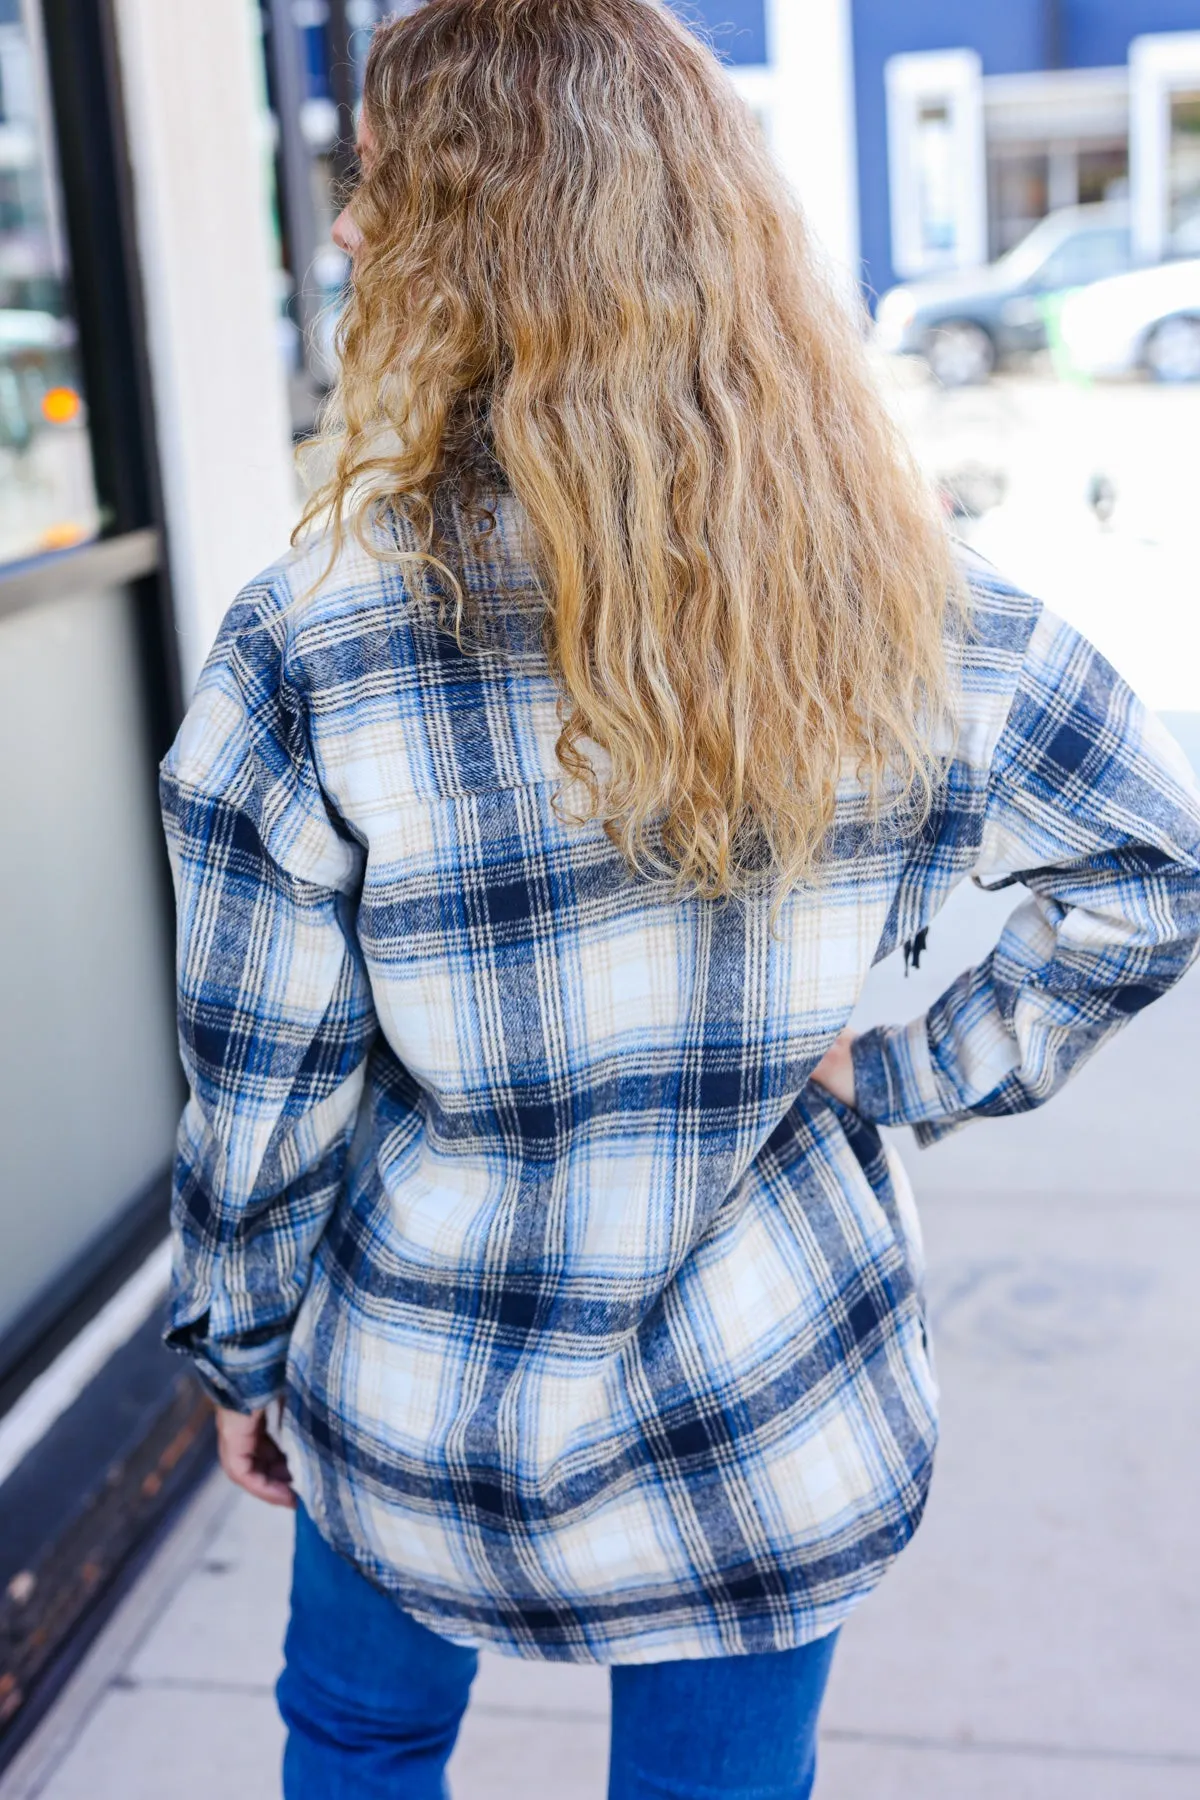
column 580, row 271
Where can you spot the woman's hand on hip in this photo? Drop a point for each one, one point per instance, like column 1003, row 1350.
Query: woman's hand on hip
column 835, row 1071
column 251, row 1457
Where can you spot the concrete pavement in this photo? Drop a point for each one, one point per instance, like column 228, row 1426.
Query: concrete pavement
column 1130, row 580
column 1040, row 1638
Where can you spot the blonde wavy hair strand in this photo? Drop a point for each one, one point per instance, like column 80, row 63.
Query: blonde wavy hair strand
column 578, row 260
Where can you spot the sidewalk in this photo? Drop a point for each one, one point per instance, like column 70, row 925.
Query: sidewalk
column 1040, row 1639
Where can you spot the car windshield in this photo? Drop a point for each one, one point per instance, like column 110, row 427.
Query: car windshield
column 1025, row 258
column 1059, row 256
column 1087, row 256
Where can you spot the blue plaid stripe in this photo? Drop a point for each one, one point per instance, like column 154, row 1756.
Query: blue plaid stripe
column 1092, row 809
column 599, row 1328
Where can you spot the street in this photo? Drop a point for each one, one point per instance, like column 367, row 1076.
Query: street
column 1129, row 580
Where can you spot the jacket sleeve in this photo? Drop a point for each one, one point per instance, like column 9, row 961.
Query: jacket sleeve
column 1093, row 809
column 275, row 1012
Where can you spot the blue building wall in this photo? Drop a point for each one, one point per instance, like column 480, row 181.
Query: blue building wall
column 1011, row 38
column 1096, row 33
column 737, row 29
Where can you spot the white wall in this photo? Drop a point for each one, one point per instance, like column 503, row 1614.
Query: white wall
column 200, row 184
column 813, row 125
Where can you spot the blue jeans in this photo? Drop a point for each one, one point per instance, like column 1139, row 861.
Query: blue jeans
column 373, row 1702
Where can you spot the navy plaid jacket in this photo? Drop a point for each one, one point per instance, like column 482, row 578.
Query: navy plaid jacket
column 598, row 1327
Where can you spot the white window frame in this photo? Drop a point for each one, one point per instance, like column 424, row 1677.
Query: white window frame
column 1160, row 64
column 953, row 78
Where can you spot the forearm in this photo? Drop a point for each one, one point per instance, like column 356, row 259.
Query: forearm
column 241, row 1263
column 1010, row 1032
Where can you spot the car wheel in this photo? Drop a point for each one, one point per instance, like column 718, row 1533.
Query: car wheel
column 1172, row 351
column 960, row 353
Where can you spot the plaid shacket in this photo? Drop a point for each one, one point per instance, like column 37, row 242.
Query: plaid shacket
column 598, row 1326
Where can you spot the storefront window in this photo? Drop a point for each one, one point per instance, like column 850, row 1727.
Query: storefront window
column 47, row 492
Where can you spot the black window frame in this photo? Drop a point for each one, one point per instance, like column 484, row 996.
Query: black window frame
column 95, row 179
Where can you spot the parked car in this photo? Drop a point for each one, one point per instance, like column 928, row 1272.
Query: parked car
column 966, row 323
column 1148, row 320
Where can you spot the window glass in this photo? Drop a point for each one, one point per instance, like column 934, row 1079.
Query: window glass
column 89, row 1074
column 1086, row 256
column 935, row 177
column 47, row 494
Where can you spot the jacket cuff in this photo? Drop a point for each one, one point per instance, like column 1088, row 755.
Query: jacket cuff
column 896, row 1081
column 241, row 1376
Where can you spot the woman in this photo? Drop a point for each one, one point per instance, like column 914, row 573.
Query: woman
column 535, row 826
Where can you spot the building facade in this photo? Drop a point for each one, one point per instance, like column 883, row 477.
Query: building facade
column 974, row 122
column 934, row 134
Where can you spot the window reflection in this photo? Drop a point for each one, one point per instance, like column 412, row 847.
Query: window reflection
column 47, row 493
